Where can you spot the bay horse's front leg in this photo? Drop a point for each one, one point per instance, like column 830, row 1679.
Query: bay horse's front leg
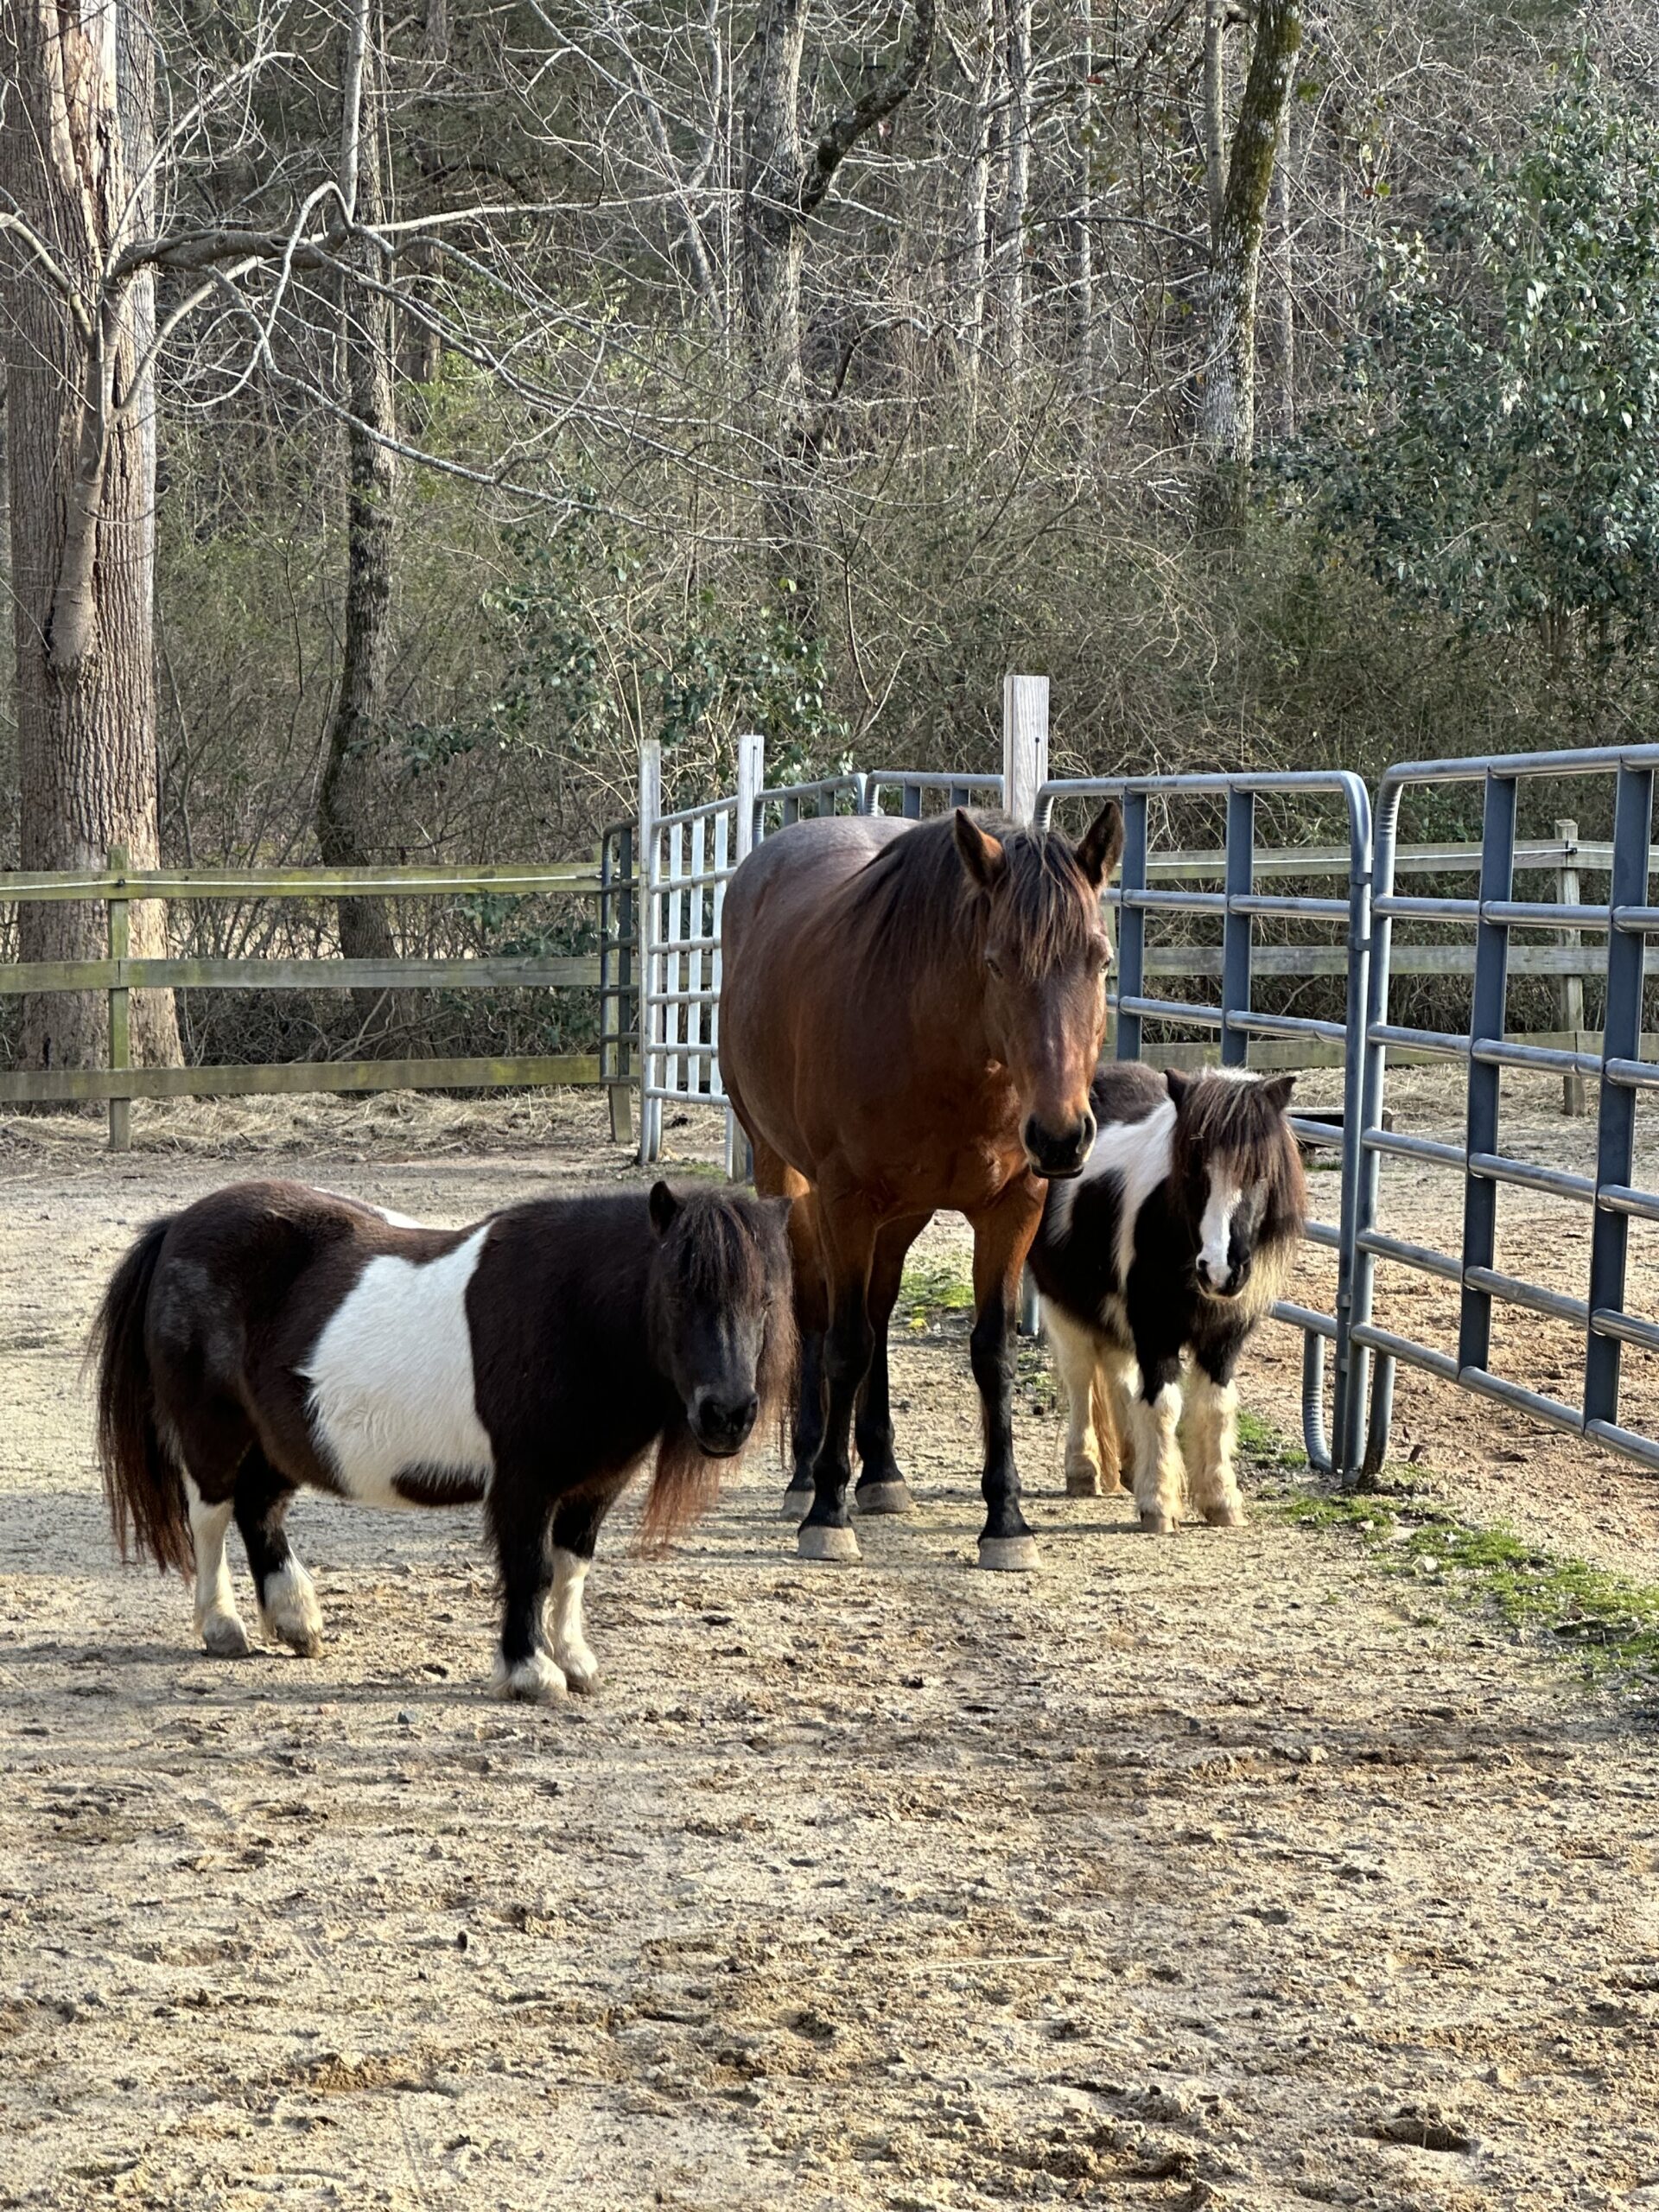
column 881, row 1487
column 846, row 1237
column 1003, row 1237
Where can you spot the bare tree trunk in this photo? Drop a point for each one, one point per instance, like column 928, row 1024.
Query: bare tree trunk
column 1215, row 116
column 1286, row 347
column 782, row 187
column 1226, row 408
column 80, row 80
column 773, row 246
column 1083, row 261
column 351, row 793
column 1011, row 243
column 976, row 187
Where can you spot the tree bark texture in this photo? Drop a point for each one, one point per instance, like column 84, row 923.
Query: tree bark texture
column 76, row 141
column 783, row 184
column 976, row 187
column 1227, row 408
column 1011, row 241
column 348, row 795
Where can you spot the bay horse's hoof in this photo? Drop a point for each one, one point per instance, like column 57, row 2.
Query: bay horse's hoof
column 1154, row 1523
column 797, row 1504
column 1228, row 1514
column 536, row 1680
column 1083, row 1482
column 1009, row 1554
column 822, row 1539
column 883, row 1497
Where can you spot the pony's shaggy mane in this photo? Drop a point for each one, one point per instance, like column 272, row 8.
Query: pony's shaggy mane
column 728, row 1249
column 916, row 899
column 1242, row 1119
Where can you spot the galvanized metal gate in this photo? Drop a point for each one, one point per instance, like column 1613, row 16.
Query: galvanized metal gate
column 1239, row 904
column 685, row 857
column 1626, row 920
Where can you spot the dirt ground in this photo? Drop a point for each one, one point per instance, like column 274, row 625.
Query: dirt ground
column 1217, row 1872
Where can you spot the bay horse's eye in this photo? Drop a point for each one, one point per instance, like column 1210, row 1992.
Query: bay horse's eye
column 993, row 960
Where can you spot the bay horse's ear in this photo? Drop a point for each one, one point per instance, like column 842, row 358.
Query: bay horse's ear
column 664, row 1207
column 982, row 855
column 1179, row 1084
column 1102, row 845
column 1277, row 1093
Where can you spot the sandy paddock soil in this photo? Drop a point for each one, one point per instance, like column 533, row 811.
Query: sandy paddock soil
column 1213, row 1872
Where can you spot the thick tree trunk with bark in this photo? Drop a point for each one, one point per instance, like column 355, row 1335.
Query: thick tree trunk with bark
column 350, row 797
column 1227, row 409
column 783, row 185
column 773, row 247
column 76, row 137
column 977, row 186
column 1011, row 241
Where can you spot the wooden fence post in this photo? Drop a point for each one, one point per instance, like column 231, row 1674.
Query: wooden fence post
column 1024, row 744
column 1569, row 989
column 616, row 924
column 120, row 1029
column 645, row 864
column 751, row 781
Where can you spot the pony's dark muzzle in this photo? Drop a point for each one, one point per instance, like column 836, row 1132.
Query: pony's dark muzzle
column 1060, row 1154
column 722, row 1425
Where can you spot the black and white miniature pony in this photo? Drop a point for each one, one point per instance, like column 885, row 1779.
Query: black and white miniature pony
column 273, row 1337
column 1175, row 1240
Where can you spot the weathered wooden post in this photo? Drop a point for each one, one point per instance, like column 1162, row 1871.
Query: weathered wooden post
column 751, row 782
column 120, row 1027
column 1569, row 989
column 1025, row 771
column 647, row 864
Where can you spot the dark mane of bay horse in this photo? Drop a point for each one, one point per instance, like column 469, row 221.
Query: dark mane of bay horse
column 915, row 894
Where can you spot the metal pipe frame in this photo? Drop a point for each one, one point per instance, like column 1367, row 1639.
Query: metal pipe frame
column 1240, row 904
column 1627, row 920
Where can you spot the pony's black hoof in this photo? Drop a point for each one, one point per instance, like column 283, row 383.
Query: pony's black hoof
column 1009, row 1554
column 822, row 1540
column 883, row 1497
column 797, row 1504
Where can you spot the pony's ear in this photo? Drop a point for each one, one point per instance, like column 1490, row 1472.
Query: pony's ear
column 1178, row 1084
column 664, row 1208
column 1277, row 1093
column 981, row 855
column 1102, row 845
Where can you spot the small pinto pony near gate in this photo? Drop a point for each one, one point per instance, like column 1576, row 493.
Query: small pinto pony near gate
column 1176, row 1239
column 909, row 1018
column 273, row 1337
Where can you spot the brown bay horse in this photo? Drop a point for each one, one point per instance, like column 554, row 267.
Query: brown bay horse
column 910, row 1018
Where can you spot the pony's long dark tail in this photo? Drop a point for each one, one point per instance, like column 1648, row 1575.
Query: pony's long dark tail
column 142, row 1487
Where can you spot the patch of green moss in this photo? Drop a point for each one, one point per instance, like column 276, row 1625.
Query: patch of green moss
column 931, row 1287
column 1608, row 1622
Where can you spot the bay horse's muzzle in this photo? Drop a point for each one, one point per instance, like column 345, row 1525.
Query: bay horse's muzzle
column 1059, row 1156
column 722, row 1426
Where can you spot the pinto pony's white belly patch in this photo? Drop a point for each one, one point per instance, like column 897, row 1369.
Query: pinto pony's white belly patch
column 391, row 1378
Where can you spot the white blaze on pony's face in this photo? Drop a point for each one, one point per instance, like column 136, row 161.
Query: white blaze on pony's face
column 392, row 1385
column 1215, row 1227
column 1227, row 1229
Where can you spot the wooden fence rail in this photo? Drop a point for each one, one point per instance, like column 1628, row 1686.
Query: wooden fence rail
column 118, row 974
column 611, row 972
